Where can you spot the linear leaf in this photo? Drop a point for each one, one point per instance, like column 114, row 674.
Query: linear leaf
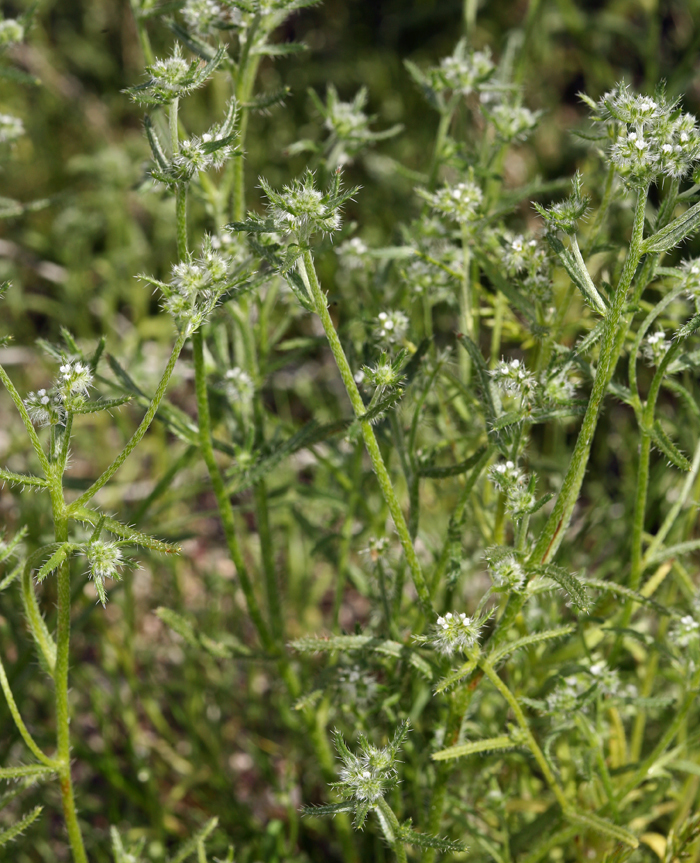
column 573, row 587
column 25, row 770
column 675, row 233
column 621, row 590
column 7, row 548
column 529, row 641
column 186, row 631
column 193, row 843
column 490, row 744
column 455, row 469
column 426, row 840
column 18, row 828
column 578, row 274
column 673, row 551
column 102, row 405
column 491, row 401
column 668, row 448
column 91, row 516
column 327, row 809
column 363, row 642
column 600, row 825
column 453, row 678
column 22, row 479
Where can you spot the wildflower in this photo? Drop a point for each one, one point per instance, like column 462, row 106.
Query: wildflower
column 204, row 17
column 650, row 137
column 685, row 632
column 565, row 699
column 11, row 32
column 391, row 327
column 513, row 122
column 559, row 389
column 527, row 260
column 513, row 378
column 507, row 574
column 691, row 276
column 352, row 253
column 455, row 632
column 606, row 680
column 11, row 128
column 517, row 486
column 358, row 689
column 174, row 77
column 655, row 347
column 565, row 215
column 465, row 71
column 505, row 474
column 45, row 407
column 105, row 560
column 239, row 386
column 75, row 379
column 302, row 209
column 460, row 202
column 366, row 777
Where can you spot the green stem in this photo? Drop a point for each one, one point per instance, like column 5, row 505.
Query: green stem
column 391, row 829
column 63, row 622
column 520, row 718
column 181, row 220
column 140, row 431
column 29, row 426
column 308, row 274
column 222, row 498
column 466, row 317
column 557, row 523
column 21, row 727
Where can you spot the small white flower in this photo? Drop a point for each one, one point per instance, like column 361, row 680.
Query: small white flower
column 455, row 632
column 391, row 327
column 11, row 128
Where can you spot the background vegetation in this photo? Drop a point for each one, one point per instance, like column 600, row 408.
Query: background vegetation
column 165, row 735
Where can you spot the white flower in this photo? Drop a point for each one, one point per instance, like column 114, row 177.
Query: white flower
column 507, row 574
column 655, row 347
column 455, row 632
column 513, row 378
column 11, row 128
column 391, row 327
column 11, row 32
column 460, row 202
column 239, row 386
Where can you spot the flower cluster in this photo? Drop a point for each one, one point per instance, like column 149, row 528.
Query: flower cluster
column 11, row 128
column 352, row 254
column 465, row 71
column 455, row 632
column 195, row 286
column 513, row 378
column 174, row 77
column 558, row 388
column 358, row 688
column 206, row 17
column 366, row 777
column 239, row 386
column 566, row 699
column 691, row 277
column 303, row 210
column 655, row 347
column 685, row 632
column 506, row 573
column 650, row 137
column 49, row 407
column 11, row 32
column 513, row 122
column 105, row 560
column 527, row 260
column 391, row 327
column 517, row 487
column 459, row 203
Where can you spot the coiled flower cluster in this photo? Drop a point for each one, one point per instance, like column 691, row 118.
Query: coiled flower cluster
column 650, row 137
column 459, row 202
column 455, row 632
column 465, row 71
column 517, row 487
column 49, row 407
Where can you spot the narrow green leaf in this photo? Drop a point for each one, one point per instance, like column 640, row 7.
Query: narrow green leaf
column 673, row 551
column 102, row 405
column 22, row 479
column 192, row 844
column 363, row 642
column 491, row 401
column 668, row 448
column 600, row 825
column 573, row 587
column 673, row 234
column 621, row 590
column 454, row 678
column 425, row 840
column 326, row 809
column 13, row 832
column 25, row 770
column 529, row 641
column 490, row 744
column 199, row 641
column 91, row 516
column 7, row 549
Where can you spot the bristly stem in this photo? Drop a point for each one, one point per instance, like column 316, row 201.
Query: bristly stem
column 558, row 522
column 308, row 274
column 28, row 424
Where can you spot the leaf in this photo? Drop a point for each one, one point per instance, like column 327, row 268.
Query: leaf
column 18, row 828
column 455, row 469
column 673, row 551
column 490, row 744
column 187, row 632
column 431, row 97
column 279, row 49
column 491, row 401
column 265, row 101
column 193, row 843
column 425, row 840
column 578, row 274
column 529, row 641
column 453, row 678
column 159, row 156
column 8, row 549
column 621, row 590
column 668, row 448
column 56, row 559
column 573, row 587
column 312, row 644
column 91, row 516
column 674, row 233
column 24, row 771
column 326, row 809
column 22, row 479
column 102, row 405
column 600, row 825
